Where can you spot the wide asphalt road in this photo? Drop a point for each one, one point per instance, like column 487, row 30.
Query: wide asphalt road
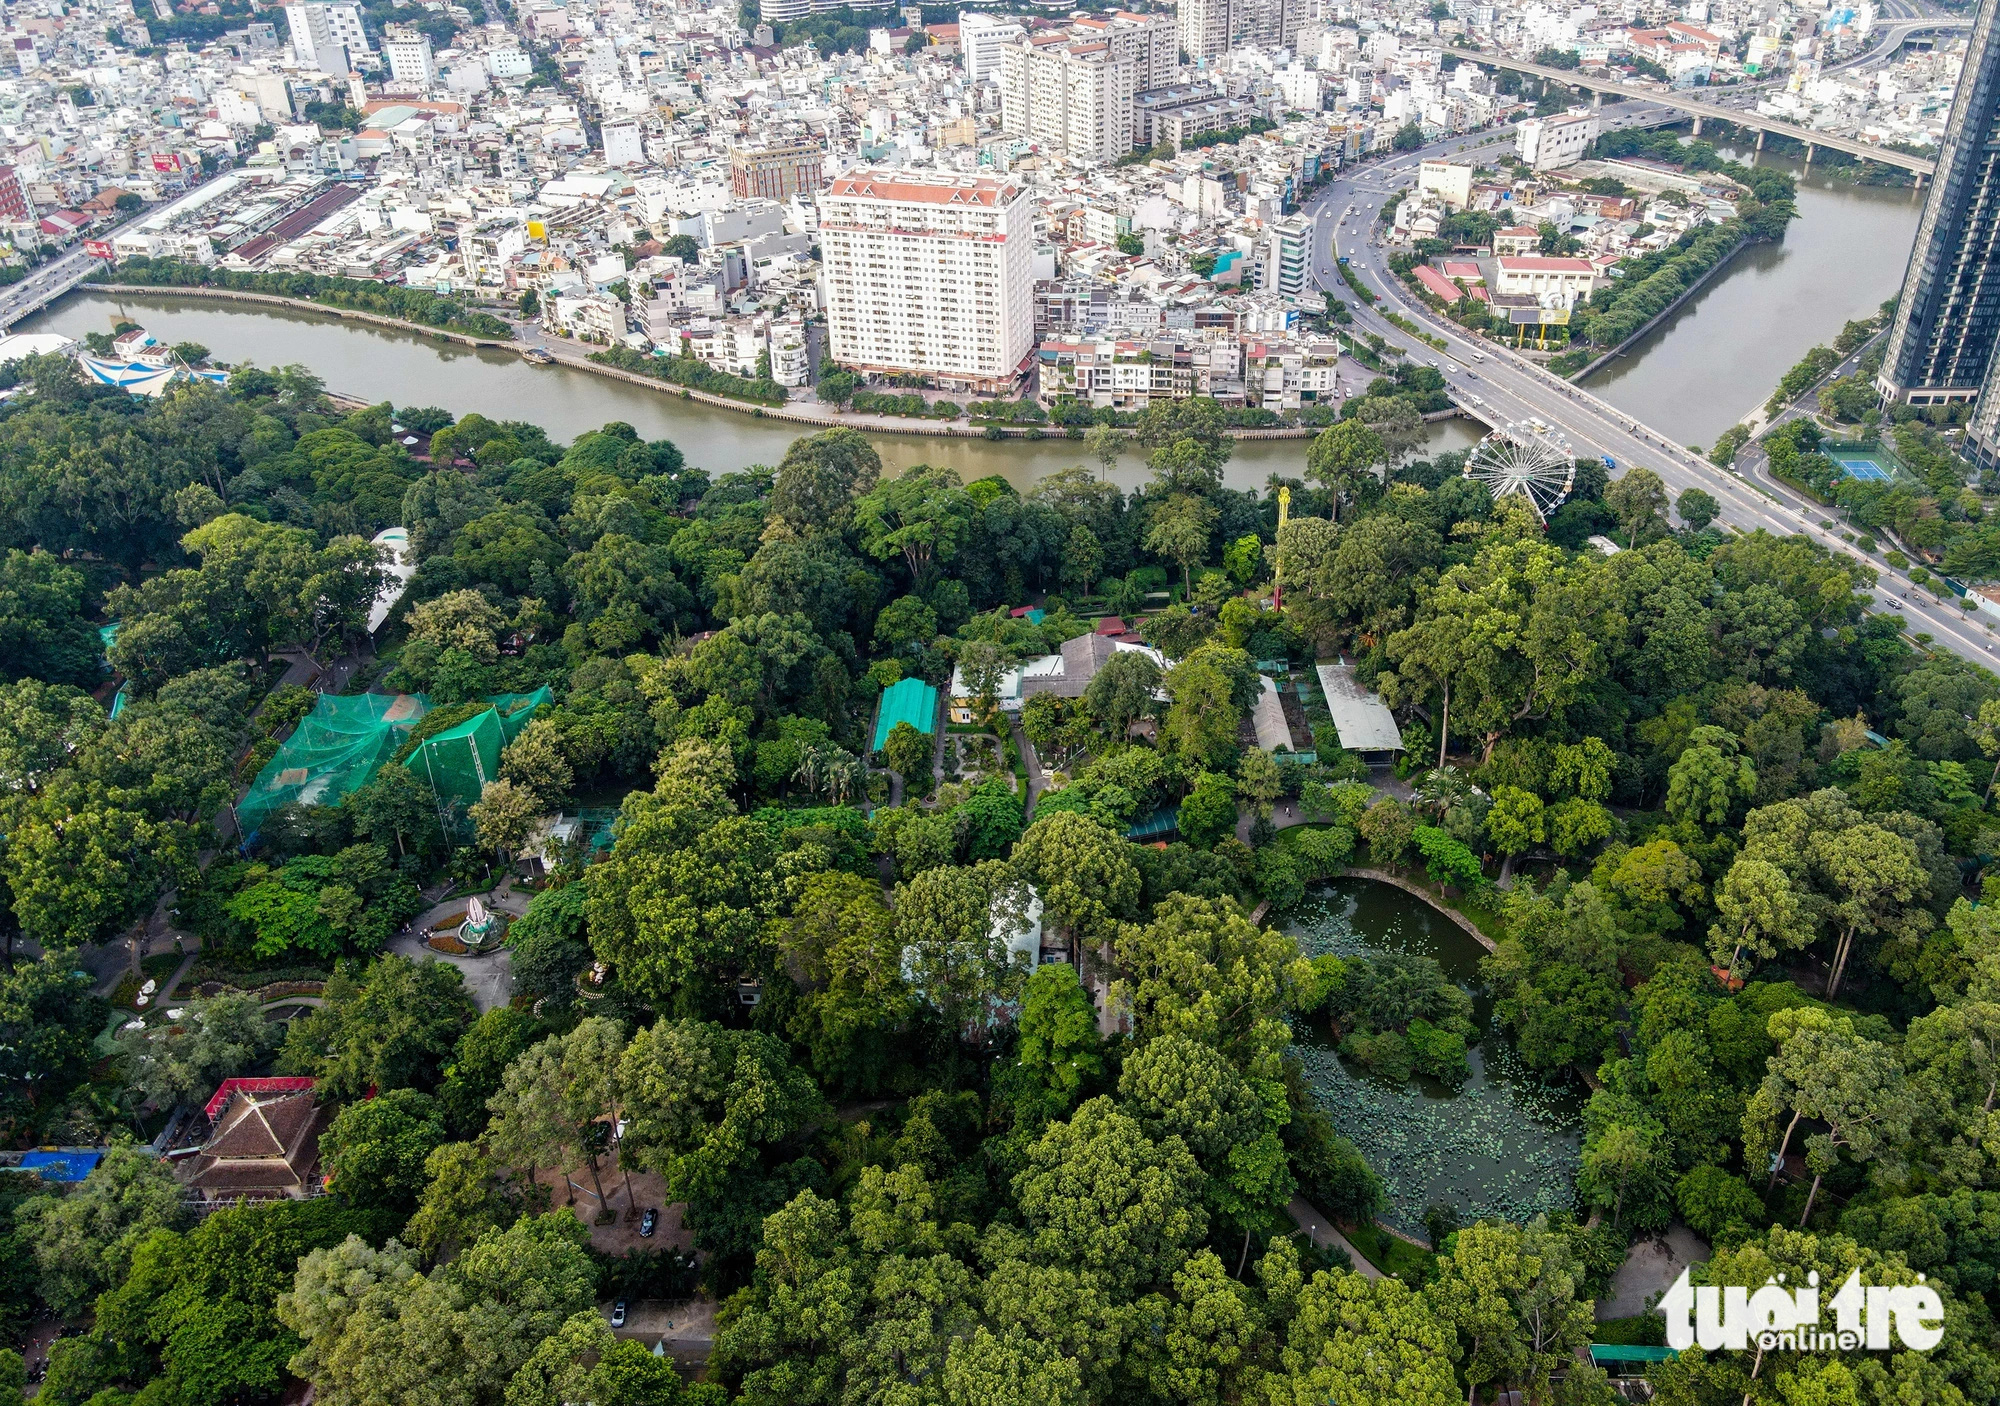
column 1500, row 387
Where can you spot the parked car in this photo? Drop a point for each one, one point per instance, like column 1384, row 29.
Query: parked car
column 648, row 1221
column 618, row 1314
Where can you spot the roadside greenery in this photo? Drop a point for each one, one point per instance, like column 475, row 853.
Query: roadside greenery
column 419, row 305
column 695, row 374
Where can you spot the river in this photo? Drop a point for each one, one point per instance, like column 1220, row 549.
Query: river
column 377, row 364
column 1720, row 355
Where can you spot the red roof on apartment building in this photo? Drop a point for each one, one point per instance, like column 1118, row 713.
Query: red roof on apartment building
column 889, row 185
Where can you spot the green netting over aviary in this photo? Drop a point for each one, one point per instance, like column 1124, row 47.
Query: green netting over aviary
column 459, row 761
column 516, row 710
column 335, row 750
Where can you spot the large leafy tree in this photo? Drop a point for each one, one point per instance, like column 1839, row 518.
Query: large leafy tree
column 374, row 1328
column 43, row 634
column 953, row 926
column 1512, row 635
column 83, row 1243
column 818, row 479
column 1201, row 969
column 706, row 1104
column 683, row 898
column 1102, row 1199
column 1510, row 1293
column 205, row 1302
column 1343, row 457
column 1823, row 1071
column 1367, row 1342
column 214, row 1039
column 374, row 1150
column 1083, row 873
column 921, row 519
column 394, row 1027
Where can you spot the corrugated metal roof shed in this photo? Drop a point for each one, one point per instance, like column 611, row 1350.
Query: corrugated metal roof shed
column 911, row 701
column 1363, row 720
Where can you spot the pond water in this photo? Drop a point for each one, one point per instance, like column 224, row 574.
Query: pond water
column 1503, row 1144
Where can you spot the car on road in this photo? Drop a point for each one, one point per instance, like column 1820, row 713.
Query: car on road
column 649, row 1221
column 618, row 1314
column 1479, row 400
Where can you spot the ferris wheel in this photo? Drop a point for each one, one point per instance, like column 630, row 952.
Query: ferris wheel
column 1526, row 458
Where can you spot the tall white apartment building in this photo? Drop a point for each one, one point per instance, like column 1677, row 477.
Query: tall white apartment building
column 326, row 37
column 929, row 273
column 1074, row 90
column 1149, row 41
column 1074, row 95
column 1204, row 28
column 1266, row 23
column 1209, row 28
column 410, row 59
column 1285, row 257
column 981, row 37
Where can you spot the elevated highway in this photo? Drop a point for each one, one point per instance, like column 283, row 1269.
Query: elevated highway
column 1698, row 108
column 1496, row 387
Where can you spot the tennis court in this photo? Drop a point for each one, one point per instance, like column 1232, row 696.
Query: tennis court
column 1868, row 460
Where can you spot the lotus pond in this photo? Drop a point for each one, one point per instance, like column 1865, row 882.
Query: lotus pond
column 1503, row 1143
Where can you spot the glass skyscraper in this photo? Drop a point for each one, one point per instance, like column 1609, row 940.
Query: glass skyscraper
column 1941, row 346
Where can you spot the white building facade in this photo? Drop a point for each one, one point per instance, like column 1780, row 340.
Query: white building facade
column 326, row 37
column 981, row 37
column 930, row 274
column 410, row 59
column 1549, row 143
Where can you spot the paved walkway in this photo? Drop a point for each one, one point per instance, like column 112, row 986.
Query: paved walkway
column 1321, row 1229
column 1648, row 1271
column 1038, row 780
column 489, row 979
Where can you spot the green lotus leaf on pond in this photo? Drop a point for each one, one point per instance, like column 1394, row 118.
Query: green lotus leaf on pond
column 1504, row 1144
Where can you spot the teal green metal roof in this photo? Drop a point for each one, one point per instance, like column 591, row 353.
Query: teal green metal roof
column 1163, row 821
column 1600, row 1353
column 912, row 701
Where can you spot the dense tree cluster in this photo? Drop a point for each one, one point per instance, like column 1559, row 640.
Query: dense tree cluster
column 969, row 1098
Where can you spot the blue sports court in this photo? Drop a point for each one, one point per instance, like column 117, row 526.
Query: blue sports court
column 1863, row 468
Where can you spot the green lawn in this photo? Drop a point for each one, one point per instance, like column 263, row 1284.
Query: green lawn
column 1393, row 1255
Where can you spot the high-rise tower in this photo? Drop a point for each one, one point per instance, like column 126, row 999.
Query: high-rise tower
column 1941, row 346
